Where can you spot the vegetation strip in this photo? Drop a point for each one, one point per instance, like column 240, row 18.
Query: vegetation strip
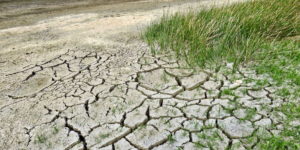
column 260, row 34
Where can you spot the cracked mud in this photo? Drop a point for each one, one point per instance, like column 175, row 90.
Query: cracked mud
column 98, row 100
column 124, row 97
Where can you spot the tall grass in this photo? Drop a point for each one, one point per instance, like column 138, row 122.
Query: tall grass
column 263, row 34
column 239, row 33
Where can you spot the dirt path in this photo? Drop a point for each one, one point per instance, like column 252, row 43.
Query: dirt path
column 85, row 81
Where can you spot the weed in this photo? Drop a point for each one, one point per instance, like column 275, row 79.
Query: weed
column 164, row 77
column 41, row 138
column 248, row 80
column 277, row 143
column 228, row 92
column 284, row 92
column 196, row 125
column 184, row 133
column 103, row 136
column 55, row 130
column 114, row 110
column 143, row 126
column 250, row 112
column 199, row 145
column 262, row 83
column 179, row 148
column 174, row 87
column 171, row 139
column 141, row 77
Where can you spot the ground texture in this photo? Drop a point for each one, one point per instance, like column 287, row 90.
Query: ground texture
column 101, row 100
column 124, row 97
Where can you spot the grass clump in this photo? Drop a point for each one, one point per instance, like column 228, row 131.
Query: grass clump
column 256, row 31
column 41, row 139
column 260, row 34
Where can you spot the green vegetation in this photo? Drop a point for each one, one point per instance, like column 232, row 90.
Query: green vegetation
column 249, row 114
column 101, row 137
column 41, row 139
column 228, row 92
column 55, row 130
column 171, row 139
column 262, row 33
column 289, row 138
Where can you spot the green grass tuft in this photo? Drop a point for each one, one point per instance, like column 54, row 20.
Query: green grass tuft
column 236, row 32
column 259, row 31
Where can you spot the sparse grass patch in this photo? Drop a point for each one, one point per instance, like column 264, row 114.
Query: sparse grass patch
column 250, row 113
column 289, row 137
column 41, row 138
column 284, row 92
column 262, row 83
column 171, row 139
column 228, row 92
column 278, row 143
column 102, row 136
column 55, row 130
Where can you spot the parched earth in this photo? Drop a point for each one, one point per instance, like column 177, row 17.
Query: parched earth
column 121, row 96
column 97, row 100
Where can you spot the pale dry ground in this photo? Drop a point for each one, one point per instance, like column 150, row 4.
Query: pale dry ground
column 85, row 81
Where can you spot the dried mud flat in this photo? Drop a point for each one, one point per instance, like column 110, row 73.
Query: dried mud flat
column 85, row 81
